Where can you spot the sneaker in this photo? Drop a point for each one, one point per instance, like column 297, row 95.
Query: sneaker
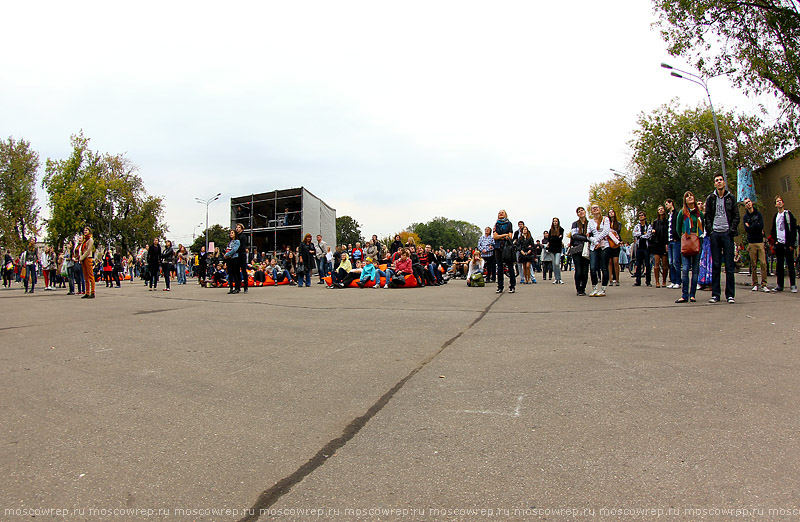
column 714, row 299
column 754, row 289
column 731, row 300
column 360, row 284
column 765, row 289
column 498, row 291
column 794, row 289
column 386, row 285
column 511, row 290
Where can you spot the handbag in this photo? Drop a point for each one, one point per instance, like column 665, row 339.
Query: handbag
column 575, row 250
column 23, row 272
column 398, row 280
column 508, row 253
column 586, row 250
column 613, row 239
column 690, row 244
column 301, row 268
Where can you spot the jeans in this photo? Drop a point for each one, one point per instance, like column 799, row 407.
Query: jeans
column 784, row 256
column 322, row 267
column 181, row 274
column 166, row 268
column 599, row 263
column 693, row 263
column 581, row 272
column 276, row 271
column 642, row 262
column 30, row 275
column 675, row 262
column 557, row 266
column 387, row 274
column 77, row 274
column 722, row 249
column 498, row 257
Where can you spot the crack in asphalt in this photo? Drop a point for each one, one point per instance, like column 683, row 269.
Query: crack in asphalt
column 283, row 486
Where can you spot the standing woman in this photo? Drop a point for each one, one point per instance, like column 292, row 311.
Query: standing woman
column 503, row 235
column 167, row 262
column 579, row 236
column 28, row 261
column 232, row 262
column 108, row 268
column 308, row 256
column 242, row 257
column 555, row 245
column 69, row 260
column 525, row 246
column 86, row 251
column 77, row 269
column 599, row 227
column 614, row 246
column 690, row 221
column 658, row 246
column 183, row 259
column 154, row 263
column 202, row 262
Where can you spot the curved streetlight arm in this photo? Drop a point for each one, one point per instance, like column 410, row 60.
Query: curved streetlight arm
column 702, row 83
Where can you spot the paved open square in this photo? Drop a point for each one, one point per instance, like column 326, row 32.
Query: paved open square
column 448, row 403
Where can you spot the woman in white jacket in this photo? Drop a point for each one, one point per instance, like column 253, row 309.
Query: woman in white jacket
column 599, row 228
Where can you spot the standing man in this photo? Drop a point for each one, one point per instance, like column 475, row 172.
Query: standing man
column 320, row 250
column 673, row 245
column 241, row 260
column 642, row 233
column 486, row 247
column 722, row 221
column 754, row 227
column 784, row 230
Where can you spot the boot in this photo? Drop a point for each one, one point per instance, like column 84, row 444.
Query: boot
column 601, row 292
column 595, row 289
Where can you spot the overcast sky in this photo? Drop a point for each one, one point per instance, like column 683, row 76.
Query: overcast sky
column 390, row 112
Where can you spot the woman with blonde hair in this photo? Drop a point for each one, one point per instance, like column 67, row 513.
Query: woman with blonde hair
column 599, row 228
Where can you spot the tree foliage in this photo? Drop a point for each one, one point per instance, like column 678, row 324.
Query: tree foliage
column 449, row 233
column 103, row 192
column 676, row 150
column 217, row 234
column 19, row 165
column 756, row 42
column 348, row 231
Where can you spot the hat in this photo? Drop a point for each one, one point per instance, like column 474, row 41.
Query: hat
column 369, row 260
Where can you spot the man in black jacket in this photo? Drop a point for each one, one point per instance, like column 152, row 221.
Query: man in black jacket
column 754, row 226
column 784, row 231
column 154, row 263
column 721, row 223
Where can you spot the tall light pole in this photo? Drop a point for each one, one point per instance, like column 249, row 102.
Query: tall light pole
column 702, row 83
column 207, row 202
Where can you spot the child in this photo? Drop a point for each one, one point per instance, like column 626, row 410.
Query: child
column 475, row 271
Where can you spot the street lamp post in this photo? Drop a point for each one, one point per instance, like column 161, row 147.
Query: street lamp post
column 194, row 232
column 207, row 202
column 702, row 83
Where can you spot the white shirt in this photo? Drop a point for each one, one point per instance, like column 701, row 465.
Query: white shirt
column 781, row 227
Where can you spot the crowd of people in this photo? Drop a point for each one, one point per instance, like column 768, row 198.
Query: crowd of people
column 687, row 245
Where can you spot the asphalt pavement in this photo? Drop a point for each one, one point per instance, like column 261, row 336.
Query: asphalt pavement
column 446, row 403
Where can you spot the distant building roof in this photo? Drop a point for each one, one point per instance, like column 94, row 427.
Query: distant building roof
column 785, row 156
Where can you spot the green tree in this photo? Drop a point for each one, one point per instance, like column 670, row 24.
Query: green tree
column 348, row 231
column 103, row 192
column 755, row 42
column 449, row 233
column 19, row 213
column 217, row 234
column 676, row 150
